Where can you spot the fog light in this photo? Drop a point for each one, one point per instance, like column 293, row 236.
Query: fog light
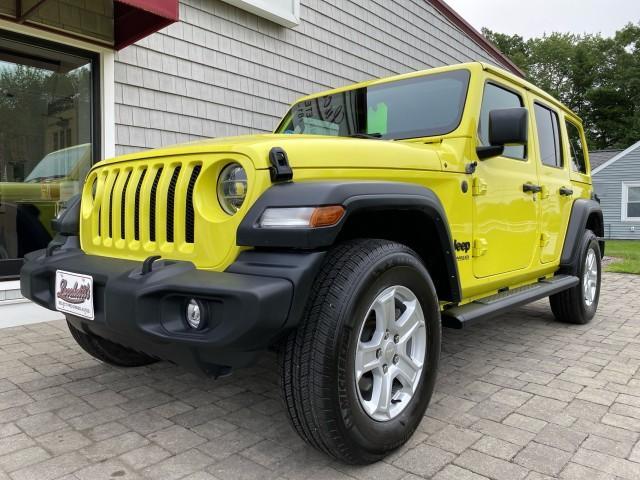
column 195, row 313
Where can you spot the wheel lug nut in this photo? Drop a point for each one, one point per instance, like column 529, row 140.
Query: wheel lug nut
column 396, row 338
column 386, row 334
column 385, row 369
column 396, row 359
column 378, row 353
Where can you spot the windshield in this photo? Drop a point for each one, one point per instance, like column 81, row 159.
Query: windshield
column 59, row 164
column 416, row 107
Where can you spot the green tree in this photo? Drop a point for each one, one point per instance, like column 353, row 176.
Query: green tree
column 597, row 77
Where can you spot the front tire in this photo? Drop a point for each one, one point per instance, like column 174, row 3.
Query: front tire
column 109, row 352
column 578, row 305
column 359, row 371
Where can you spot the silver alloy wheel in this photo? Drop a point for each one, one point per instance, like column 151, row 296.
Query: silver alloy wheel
column 590, row 278
column 392, row 347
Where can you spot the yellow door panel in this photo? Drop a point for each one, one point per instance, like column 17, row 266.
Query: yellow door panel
column 556, row 196
column 505, row 218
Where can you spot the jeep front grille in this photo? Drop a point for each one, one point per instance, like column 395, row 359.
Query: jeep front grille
column 145, row 207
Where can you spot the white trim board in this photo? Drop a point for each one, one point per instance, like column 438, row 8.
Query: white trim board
column 282, row 12
column 10, row 285
column 26, row 313
column 616, row 157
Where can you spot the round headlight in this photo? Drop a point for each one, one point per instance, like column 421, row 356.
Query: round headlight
column 232, row 188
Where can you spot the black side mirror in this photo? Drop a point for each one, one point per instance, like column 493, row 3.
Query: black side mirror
column 507, row 126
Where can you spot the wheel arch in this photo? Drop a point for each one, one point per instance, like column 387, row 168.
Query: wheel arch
column 586, row 214
column 403, row 212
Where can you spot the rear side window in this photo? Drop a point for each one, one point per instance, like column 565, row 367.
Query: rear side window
column 576, row 148
column 494, row 98
column 548, row 126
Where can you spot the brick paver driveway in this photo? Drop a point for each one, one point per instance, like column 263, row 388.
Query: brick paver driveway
column 518, row 397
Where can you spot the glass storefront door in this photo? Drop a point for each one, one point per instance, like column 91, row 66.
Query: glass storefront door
column 48, row 140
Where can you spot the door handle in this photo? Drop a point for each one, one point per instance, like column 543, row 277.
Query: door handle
column 566, row 191
column 530, row 187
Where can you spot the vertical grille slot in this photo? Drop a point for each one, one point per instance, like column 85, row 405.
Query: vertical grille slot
column 136, row 211
column 190, row 213
column 152, row 211
column 171, row 195
column 123, row 203
column 113, row 185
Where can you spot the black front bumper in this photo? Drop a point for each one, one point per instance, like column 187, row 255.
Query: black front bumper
column 248, row 307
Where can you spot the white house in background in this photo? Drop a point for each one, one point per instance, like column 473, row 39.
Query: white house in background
column 616, row 178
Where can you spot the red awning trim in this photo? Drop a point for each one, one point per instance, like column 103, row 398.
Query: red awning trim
column 136, row 19
column 455, row 18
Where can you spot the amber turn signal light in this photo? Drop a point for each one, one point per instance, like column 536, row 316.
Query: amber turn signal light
column 326, row 216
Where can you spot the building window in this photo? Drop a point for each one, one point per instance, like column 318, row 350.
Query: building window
column 631, row 202
column 49, row 138
column 548, row 127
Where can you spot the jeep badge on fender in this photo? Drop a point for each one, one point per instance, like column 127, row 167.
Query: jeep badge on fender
column 373, row 216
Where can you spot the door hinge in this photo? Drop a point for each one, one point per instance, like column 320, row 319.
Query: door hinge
column 544, row 239
column 478, row 187
column 480, row 247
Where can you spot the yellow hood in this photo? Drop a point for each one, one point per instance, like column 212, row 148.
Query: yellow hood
column 308, row 151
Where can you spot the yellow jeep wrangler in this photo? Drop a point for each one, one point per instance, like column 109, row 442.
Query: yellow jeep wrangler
column 372, row 216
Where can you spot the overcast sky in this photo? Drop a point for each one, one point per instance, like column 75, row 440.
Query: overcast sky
column 534, row 18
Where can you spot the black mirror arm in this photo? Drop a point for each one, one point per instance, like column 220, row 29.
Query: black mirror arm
column 489, row 151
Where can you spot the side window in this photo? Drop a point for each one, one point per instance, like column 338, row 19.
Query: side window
column 631, row 195
column 495, row 97
column 548, row 127
column 576, row 148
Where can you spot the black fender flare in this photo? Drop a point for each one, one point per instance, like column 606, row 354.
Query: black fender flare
column 355, row 196
column 581, row 211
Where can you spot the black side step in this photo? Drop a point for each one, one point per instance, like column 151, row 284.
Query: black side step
column 458, row 317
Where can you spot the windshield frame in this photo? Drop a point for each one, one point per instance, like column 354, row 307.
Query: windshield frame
column 462, row 105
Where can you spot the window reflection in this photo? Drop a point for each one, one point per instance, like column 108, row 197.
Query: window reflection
column 45, row 140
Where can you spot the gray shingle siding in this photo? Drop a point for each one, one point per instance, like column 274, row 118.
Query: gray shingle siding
column 223, row 71
column 608, row 186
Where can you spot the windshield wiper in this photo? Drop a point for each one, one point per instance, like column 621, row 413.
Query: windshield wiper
column 374, row 136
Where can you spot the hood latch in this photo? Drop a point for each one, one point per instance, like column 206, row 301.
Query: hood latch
column 280, row 169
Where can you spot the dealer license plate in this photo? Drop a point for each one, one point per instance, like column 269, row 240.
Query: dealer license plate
column 74, row 294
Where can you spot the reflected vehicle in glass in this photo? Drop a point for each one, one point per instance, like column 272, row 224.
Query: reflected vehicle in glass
column 48, row 107
column 34, row 202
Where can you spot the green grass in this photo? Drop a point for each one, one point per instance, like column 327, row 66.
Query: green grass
column 629, row 253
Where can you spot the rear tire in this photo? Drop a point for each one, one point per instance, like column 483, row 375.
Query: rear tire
column 330, row 403
column 578, row 305
column 109, row 352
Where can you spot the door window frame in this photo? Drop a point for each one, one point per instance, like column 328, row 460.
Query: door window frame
column 585, row 154
column 625, row 202
column 10, row 268
column 523, row 104
column 561, row 148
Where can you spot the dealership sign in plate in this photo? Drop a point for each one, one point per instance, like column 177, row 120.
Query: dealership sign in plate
column 74, row 294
